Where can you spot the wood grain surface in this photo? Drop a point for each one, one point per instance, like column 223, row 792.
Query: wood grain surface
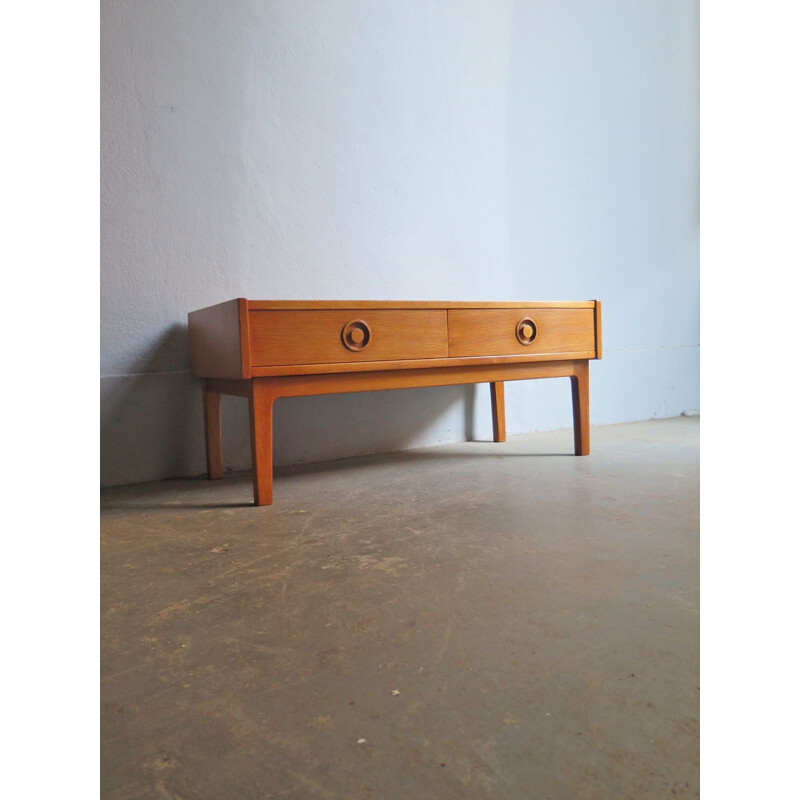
column 293, row 337
column 215, row 341
column 266, row 305
column 493, row 331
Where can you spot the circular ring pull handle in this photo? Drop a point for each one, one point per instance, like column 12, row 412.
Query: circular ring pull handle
column 356, row 335
column 526, row 330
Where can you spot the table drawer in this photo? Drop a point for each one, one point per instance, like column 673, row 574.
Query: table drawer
column 521, row 331
column 345, row 335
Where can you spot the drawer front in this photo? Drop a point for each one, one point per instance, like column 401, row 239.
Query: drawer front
column 520, row 331
column 279, row 338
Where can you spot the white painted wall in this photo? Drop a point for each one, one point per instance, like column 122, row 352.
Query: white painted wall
column 393, row 149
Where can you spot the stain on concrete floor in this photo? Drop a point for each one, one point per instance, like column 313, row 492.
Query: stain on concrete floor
column 469, row 621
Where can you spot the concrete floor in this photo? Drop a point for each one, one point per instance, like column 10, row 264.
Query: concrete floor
column 467, row 621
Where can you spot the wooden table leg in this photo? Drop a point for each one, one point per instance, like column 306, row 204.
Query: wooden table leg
column 498, row 392
column 212, row 416
column 261, row 402
column 580, row 407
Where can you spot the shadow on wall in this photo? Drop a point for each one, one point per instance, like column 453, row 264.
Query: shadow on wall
column 151, row 420
column 151, row 424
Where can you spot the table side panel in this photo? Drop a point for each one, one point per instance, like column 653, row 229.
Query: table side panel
column 215, row 348
column 598, row 329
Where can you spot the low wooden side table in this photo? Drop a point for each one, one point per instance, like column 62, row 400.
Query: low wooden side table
column 266, row 349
